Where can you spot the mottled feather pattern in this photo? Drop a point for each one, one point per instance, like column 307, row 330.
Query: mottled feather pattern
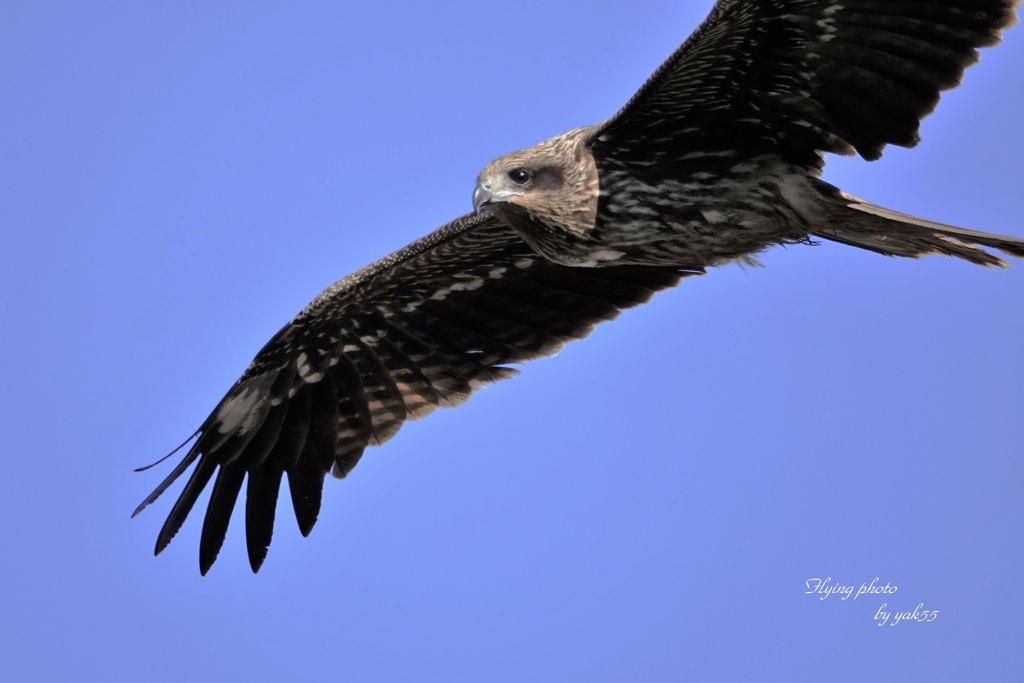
column 800, row 77
column 715, row 158
column 381, row 346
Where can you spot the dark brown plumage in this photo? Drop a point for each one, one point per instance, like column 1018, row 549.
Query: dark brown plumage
column 717, row 157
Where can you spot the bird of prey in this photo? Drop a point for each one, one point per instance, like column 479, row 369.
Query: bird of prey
column 717, row 157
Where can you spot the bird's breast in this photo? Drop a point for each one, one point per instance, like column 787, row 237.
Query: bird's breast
column 701, row 218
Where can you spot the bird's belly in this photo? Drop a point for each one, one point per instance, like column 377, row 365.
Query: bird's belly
column 708, row 239
column 700, row 224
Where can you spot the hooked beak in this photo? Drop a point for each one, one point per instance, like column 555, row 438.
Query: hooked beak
column 485, row 194
column 482, row 197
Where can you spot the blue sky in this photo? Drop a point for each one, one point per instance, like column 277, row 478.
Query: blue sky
column 179, row 179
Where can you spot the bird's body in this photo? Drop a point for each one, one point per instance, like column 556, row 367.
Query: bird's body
column 728, row 210
column 693, row 213
column 716, row 158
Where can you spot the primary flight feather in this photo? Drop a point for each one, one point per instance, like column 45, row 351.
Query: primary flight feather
column 716, row 158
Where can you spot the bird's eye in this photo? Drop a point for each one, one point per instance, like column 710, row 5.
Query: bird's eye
column 519, row 176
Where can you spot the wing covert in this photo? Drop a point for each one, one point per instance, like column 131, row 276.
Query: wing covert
column 800, row 77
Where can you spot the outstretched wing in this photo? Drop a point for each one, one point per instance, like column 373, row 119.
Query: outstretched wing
column 419, row 329
column 800, row 77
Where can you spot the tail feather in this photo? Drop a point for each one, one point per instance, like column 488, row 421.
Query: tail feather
column 862, row 224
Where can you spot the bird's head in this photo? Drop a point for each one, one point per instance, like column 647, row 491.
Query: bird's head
column 519, row 178
column 553, row 182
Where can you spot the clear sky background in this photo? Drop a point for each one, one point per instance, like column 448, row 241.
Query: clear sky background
column 178, row 179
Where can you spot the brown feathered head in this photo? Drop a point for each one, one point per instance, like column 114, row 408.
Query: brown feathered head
column 554, row 183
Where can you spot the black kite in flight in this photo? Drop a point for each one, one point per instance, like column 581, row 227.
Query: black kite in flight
column 716, row 158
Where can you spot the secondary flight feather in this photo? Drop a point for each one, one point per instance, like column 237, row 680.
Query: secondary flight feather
column 716, row 158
